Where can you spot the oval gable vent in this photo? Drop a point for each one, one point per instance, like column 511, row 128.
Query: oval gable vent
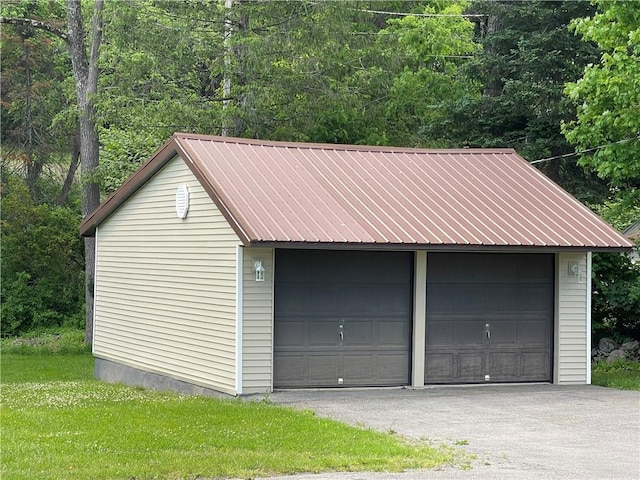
column 182, row 201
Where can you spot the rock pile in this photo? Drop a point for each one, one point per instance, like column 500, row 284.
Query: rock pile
column 609, row 350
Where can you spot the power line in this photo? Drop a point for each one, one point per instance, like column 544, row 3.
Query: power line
column 566, row 155
column 436, row 15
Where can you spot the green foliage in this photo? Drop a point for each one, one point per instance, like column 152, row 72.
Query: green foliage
column 339, row 73
column 527, row 56
column 622, row 209
column 616, row 296
column 121, row 154
column 37, row 127
column 160, row 70
column 616, row 281
column 42, row 262
column 607, row 97
column 79, row 429
column 621, row 374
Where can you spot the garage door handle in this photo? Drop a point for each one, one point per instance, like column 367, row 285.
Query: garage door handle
column 487, row 331
column 341, row 332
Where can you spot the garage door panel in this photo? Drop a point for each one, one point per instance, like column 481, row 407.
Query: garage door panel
column 469, row 298
column 343, row 288
column 394, row 300
column 502, row 298
column 439, row 299
column 297, row 301
column 358, row 333
column 323, row 300
column 294, row 366
column 291, row 333
column 439, row 366
column 533, row 271
column 535, row 298
column 535, row 331
column 471, row 366
column 469, row 331
column 441, row 332
column 322, row 333
column 323, row 369
column 535, row 365
column 355, row 300
column 388, row 365
column 499, row 317
column 504, row 331
column 359, row 369
column 503, row 365
column 393, row 333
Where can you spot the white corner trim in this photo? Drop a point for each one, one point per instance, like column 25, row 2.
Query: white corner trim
column 588, row 279
column 95, row 291
column 239, row 314
column 419, row 318
column 273, row 314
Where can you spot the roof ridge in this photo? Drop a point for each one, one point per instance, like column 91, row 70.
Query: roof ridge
column 338, row 146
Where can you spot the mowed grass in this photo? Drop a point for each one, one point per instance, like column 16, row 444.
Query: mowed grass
column 59, row 423
column 621, row 374
column 20, row 368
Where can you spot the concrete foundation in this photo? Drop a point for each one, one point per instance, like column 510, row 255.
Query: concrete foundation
column 113, row 372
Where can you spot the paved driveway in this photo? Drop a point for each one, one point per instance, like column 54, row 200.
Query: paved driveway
column 515, row 432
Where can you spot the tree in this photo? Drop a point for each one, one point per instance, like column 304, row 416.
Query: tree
column 35, row 136
column 85, row 72
column 161, row 71
column 527, row 57
column 340, row 72
column 607, row 96
column 606, row 133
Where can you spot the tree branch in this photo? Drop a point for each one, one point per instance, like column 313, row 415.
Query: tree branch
column 92, row 81
column 29, row 22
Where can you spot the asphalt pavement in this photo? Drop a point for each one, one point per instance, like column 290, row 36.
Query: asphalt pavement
column 501, row 432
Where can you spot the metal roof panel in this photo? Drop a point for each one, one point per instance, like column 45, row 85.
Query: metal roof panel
column 296, row 193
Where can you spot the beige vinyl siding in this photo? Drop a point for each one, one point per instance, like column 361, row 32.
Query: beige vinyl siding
column 572, row 335
column 257, row 323
column 165, row 286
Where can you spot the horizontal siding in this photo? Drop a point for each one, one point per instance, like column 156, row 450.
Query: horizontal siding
column 165, row 286
column 572, row 321
column 257, row 306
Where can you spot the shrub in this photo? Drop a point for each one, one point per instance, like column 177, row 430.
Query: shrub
column 616, row 297
column 42, row 262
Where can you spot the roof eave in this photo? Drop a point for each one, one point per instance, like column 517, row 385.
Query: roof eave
column 438, row 247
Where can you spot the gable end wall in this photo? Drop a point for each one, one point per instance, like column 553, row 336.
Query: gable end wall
column 165, row 286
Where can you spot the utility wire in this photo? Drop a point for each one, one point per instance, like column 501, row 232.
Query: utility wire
column 566, row 155
column 404, row 14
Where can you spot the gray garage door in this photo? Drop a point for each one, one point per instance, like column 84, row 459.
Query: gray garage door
column 342, row 318
column 489, row 317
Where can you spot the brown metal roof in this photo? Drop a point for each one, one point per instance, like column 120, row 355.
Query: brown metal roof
column 297, row 193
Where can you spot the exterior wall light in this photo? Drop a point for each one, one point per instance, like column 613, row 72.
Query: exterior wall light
column 576, row 270
column 259, row 269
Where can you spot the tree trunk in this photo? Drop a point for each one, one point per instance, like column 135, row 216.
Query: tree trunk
column 85, row 72
column 71, row 172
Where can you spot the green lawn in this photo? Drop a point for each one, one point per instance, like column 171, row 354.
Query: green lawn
column 621, row 374
column 59, row 423
column 20, row 368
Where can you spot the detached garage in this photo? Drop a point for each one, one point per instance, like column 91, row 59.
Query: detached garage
column 242, row 266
